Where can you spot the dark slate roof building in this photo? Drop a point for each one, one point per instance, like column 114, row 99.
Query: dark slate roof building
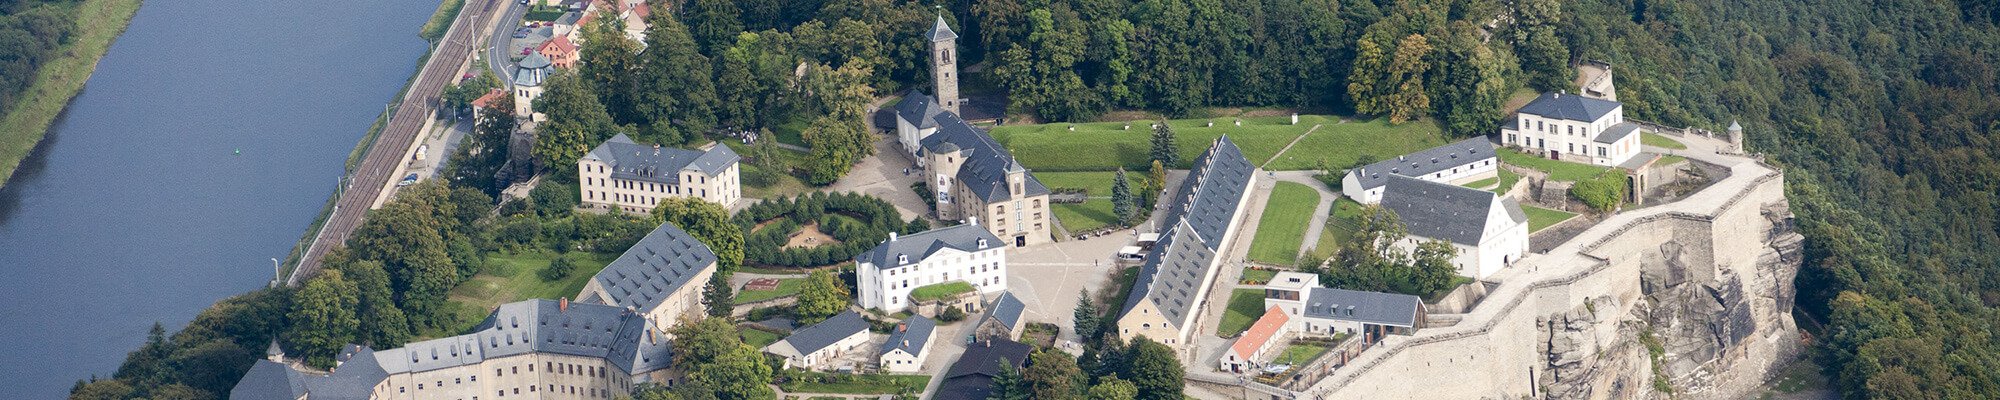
column 912, row 336
column 1174, row 277
column 825, row 333
column 971, row 378
column 1422, row 163
column 987, row 163
column 1003, row 318
column 653, row 163
column 656, row 268
column 1616, row 132
column 918, row 246
column 1392, row 309
column 918, row 108
column 1569, row 107
column 1446, row 212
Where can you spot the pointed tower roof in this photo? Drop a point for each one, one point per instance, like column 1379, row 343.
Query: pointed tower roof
column 941, row 32
column 1735, row 126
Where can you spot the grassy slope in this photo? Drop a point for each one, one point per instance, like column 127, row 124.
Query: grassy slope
column 1558, row 170
column 441, row 19
column 1655, row 140
column 1092, row 214
column 99, row 22
column 1103, row 146
column 1283, row 226
column 514, row 277
column 1245, row 307
column 1539, row 218
column 786, row 287
column 1340, row 145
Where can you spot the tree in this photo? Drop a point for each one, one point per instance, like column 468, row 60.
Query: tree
column 459, row 97
column 1085, row 316
column 1164, row 149
column 709, row 223
column 1112, row 388
column 481, row 156
column 609, row 64
column 1364, row 79
column 820, row 297
column 714, row 356
column 1154, row 370
column 576, row 123
column 323, row 318
column 559, row 267
column 721, row 303
column 677, row 84
column 108, row 389
column 1468, row 87
column 1544, row 57
column 1121, row 197
column 383, row 325
column 1040, row 73
column 1408, row 100
column 1008, row 384
column 916, row 225
column 713, row 24
column 834, row 150
column 1052, row 374
column 554, row 199
column 1432, row 266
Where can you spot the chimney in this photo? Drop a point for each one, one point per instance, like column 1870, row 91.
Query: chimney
column 892, row 236
column 906, row 343
column 563, row 305
column 974, row 221
column 903, row 328
column 988, row 342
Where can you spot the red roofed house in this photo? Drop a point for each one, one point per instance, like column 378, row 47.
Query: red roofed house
column 560, row 52
column 1254, row 342
column 492, row 98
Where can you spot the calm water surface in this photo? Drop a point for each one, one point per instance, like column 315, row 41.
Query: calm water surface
column 136, row 209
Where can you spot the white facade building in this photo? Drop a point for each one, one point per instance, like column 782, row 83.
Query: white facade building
column 631, row 177
column 1573, row 128
column 904, row 352
column 1466, row 161
column 1489, row 231
column 965, row 253
column 813, row 346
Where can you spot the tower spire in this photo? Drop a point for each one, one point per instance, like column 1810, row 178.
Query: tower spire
column 944, row 64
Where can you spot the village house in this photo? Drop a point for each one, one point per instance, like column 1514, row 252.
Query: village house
column 971, row 378
column 529, row 73
column 487, row 101
column 814, row 346
column 1488, row 230
column 661, row 276
column 1256, row 342
column 1181, row 267
column 1003, row 319
column 1573, row 128
column 887, row 274
column 631, row 177
column 970, row 175
column 1296, row 306
column 1466, row 161
column 560, row 52
column 904, row 352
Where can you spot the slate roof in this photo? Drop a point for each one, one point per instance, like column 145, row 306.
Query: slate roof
column 971, row 378
column 922, row 245
column 570, row 18
column 268, row 379
column 825, row 333
column 1444, row 211
column 1367, row 307
column 917, row 108
column 1007, row 310
column 916, row 330
column 1569, row 107
column 1616, row 132
column 531, row 70
column 987, row 163
column 941, row 31
column 1213, row 191
column 653, row 269
column 1425, row 162
column 633, row 161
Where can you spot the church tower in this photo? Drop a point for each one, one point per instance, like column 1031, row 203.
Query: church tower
column 944, row 65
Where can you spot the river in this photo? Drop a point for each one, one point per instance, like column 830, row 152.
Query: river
column 137, row 207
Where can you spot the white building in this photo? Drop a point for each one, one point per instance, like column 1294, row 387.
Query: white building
column 904, row 352
column 1489, row 231
column 1323, row 311
column 813, row 346
column 964, row 253
column 529, row 74
column 1466, row 161
column 631, row 177
column 1573, row 128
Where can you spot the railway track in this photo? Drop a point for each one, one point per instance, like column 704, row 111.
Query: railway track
column 378, row 166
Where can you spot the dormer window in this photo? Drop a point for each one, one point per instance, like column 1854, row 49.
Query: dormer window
column 982, row 243
column 902, row 259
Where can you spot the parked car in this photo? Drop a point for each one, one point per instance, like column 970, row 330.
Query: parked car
column 408, row 180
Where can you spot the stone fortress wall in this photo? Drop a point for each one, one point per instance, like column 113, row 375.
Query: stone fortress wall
column 1707, row 278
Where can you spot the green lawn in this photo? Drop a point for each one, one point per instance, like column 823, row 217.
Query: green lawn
column 1299, row 354
column 1245, row 307
column 857, row 384
column 1340, row 145
column 1669, row 160
column 514, row 277
column 941, row 291
column 1539, row 218
column 786, row 287
column 1507, row 179
column 1094, row 213
column 792, row 131
column 1340, row 227
column 758, row 338
column 1258, row 275
column 1655, row 140
column 1104, row 146
column 1282, row 229
column 1558, row 170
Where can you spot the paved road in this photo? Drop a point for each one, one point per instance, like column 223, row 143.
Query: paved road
column 497, row 57
column 378, row 167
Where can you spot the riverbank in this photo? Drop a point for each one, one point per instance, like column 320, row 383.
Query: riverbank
column 99, row 22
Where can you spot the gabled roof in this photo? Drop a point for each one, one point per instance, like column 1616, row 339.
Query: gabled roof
column 971, row 378
column 559, row 45
column 1425, row 162
column 652, row 163
column 922, row 245
column 1569, row 107
column 489, row 98
column 917, row 108
column 654, row 268
column 268, row 379
column 1179, row 262
column 911, row 336
column 1264, row 330
column 987, row 163
column 1365, row 307
column 570, row 18
column 1007, row 310
column 940, row 31
column 825, row 333
column 1616, row 132
column 1445, row 212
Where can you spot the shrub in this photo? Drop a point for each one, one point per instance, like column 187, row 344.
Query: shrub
column 951, row 314
column 559, row 268
column 1603, row 192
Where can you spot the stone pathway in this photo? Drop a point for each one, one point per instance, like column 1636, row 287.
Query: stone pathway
column 1320, row 213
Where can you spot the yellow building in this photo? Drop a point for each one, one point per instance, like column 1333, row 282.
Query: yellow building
column 1177, row 275
column 631, row 177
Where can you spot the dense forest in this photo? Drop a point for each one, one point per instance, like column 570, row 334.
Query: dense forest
column 30, row 33
column 1881, row 112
